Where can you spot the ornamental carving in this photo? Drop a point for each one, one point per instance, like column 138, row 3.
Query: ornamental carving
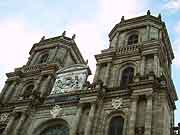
column 69, row 79
column 117, row 102
column 56, row 111
column 4, row 117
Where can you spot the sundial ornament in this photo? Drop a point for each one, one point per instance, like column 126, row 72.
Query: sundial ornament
column 70, row 78
column 117, row 102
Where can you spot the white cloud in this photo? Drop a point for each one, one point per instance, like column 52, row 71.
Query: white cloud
column 173, row 5
column 176, row 45
column 93, row 36
column 88, row 40
column 111, row 11
column 177, row 28
column 176, row 49
column 16, row 41
column 17, row 36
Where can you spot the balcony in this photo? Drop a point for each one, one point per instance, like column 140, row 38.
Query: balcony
column 128, row 49
column 36, row 68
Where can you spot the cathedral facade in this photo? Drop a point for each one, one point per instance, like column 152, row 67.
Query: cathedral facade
column 132, row 92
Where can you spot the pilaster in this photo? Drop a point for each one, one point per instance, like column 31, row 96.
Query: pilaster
column 89, row 123
column 45, row 87
column 148, row 117
column 9, row 91
column 20, row 122
column 142, row 65
column 106, row 79
column 96, row 73
column 10, row 123
column 132, row 119
column 3, row 91
column 156, row 64
column 77, row 120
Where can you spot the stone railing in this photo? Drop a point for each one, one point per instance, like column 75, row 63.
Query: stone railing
column 127, row 49
column 32, row 68
column 38, row 67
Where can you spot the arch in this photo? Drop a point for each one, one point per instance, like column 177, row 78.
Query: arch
column 111, row 117
column 56, row 130
column 27, row 89
column 54, row 125
column 126, row 77
column 132, row 37
column 122, row 67
column 43, row 58
column 116, row 126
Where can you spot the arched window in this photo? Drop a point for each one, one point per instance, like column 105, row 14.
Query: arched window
column 56, row 130
column 116, row 126
column 127, row 76
column 28, row 91
column 133, row 39
column 43, row 58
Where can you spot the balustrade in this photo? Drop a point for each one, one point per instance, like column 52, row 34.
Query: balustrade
column 127, row 49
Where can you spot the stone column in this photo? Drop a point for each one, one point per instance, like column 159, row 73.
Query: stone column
column 35, row 58
column 138, row 67
column 9, row 92
column 148, row 117
column 45, row 86
column 20, row 123
column 53, row 55
column 10, row 123
column 142, row 66
column 114, row 41
column 90, row 119
column 30, row 58
column 96, row 76
column 37, row 85
column 106, row 79
column 3, row 91
column 97, row 117
column 132, row 120
column 77, row 120
column 155, row 64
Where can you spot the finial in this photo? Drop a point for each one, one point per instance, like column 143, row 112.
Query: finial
column 43, row 37
column 148, row 12
column 64, row 33
column 74, row 36
column 122, row 19
column 159, row 16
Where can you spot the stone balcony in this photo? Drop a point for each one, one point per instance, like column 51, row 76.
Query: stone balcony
column 36, row 68
column 128, row 49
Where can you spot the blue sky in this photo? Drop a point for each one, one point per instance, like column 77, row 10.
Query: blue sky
column 25, row 22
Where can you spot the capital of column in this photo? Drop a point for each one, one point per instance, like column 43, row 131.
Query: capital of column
column 148, row 95
column 134, row 97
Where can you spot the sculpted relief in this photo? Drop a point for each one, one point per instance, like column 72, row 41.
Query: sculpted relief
column 72, row 79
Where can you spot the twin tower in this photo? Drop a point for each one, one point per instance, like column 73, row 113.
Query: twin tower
column 132, row 92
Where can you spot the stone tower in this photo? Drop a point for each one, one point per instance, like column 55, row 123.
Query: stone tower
column 132, row 92
column 136, row 72
column 29, row 85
